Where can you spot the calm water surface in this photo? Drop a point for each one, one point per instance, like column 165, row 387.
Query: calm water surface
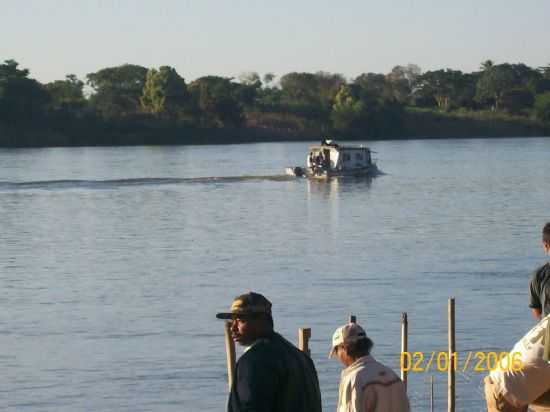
column 115, row 260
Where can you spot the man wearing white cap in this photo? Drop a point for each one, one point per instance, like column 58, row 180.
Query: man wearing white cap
column 365, row 384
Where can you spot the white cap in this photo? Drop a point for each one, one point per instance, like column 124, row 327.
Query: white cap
column 348, row 333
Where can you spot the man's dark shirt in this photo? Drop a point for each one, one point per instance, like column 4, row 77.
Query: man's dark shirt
column 539, row 289
column 274, row 376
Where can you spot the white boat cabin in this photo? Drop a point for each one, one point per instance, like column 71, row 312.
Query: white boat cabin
column 332, row 157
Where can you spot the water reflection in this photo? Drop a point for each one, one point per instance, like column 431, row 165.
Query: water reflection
column 333, row 186
column 328, row 202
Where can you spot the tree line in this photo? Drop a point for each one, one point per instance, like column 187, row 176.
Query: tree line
column 372, row 104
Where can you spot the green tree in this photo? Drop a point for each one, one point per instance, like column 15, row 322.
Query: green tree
column 374, row 88
column 544, row 71
column 117, row 89
column 310, row 95
column 21, row 98
column 329, row 85
column 486, row 65
column 250, row 78
column 300, row 88
column 270, row 99
column 164, row 93
column 66, row 95
column 448, row 88
column 498, row 80
column 268, row 79
column 348, row 112
column 215, row 98
column 542, row 106
column 543, row 85
column 494, row 81
column 402, row 80
column 517, row 99
column 10, row 71
column 437, row 84
column 248, row 90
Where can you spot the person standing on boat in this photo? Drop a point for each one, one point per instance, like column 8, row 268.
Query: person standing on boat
column 366, row 385
column 539, row 285
column 272, row 375
column 319, row 160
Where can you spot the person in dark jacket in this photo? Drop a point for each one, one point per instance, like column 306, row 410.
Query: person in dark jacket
column 272, row 375
column 539, row 285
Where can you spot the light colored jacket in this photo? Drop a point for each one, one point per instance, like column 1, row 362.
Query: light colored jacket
column 523, row 383
column 368, row 386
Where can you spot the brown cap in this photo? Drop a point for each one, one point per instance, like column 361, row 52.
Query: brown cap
column 248, row 304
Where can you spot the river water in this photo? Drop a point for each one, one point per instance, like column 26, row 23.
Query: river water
column 115, row 260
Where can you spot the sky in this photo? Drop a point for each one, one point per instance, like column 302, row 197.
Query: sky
column 54, row 38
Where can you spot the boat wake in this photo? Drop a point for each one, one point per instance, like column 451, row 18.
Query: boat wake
column 120, row 183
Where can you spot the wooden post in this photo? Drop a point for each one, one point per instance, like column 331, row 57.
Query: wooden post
column 229, row 354
column 452, row 358
column 404, row 345
column 352, row 319
column 432, row 403
column 303, row 340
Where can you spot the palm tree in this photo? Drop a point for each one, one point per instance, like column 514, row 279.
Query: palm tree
column 486, row 65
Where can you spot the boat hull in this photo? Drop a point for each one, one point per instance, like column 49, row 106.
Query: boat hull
column 299, row 171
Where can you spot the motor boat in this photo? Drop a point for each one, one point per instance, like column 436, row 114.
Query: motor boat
column 330, row 159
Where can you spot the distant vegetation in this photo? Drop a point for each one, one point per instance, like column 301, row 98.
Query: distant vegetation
column 131, row 104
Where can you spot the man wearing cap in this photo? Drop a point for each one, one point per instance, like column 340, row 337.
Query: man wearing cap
column 539, row 285
column 366, row 385
column 272, row 375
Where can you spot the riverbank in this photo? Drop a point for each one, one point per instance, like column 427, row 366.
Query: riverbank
column 430, row 124
column 413, row 124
